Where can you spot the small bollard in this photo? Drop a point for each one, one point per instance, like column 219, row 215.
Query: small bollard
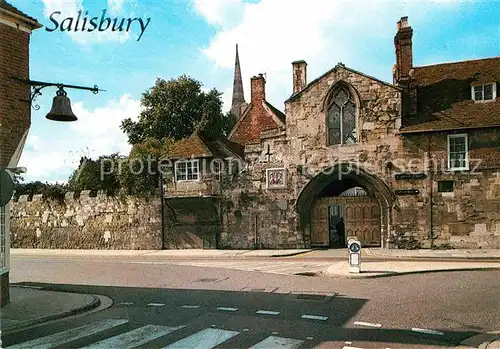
column 354, row 248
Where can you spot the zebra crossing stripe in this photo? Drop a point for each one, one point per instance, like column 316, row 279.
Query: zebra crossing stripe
column 67, row 336
column 205, row 339
column 278, row 342
column 134, row 338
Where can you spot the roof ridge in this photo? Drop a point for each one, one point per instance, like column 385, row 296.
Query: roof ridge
column 457, row 62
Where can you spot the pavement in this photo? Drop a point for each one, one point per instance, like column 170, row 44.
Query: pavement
column 376, row 253
column 29, row 306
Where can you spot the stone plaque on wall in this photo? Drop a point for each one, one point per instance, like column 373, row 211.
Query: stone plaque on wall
column 275, row 178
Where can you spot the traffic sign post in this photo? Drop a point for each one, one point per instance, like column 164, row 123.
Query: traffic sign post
column 354, row 248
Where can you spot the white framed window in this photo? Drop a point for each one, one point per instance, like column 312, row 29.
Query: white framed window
column 187, row 170
column 486, row 92
column 217, row 168
column 458, row 152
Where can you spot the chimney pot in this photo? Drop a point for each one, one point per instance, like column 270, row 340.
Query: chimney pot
column 299, row 75
column 258, row 88
column 404, row 51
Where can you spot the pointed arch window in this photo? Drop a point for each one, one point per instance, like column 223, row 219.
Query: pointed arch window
column 341, row 117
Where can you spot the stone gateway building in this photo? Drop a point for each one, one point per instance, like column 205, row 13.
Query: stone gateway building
column 410, row 164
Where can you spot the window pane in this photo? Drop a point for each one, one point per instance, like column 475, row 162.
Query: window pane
column 488, row 92
column 458, row 153
column 334, row 136
column 478, row 93
column 181, row 171
column 349, row 123
column 341, row 97
column 334, row 116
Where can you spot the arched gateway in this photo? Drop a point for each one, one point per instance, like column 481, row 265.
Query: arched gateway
column 330, row 209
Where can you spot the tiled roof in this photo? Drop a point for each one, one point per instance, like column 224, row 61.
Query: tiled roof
column 279, row 114
column 461, row 115
column 254, row 121
column 198, row 146
column 190, row 147
column 444, row 98
column 8, row 7
column 480, row 71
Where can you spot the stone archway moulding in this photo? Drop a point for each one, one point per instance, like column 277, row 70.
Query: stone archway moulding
column 346, row 171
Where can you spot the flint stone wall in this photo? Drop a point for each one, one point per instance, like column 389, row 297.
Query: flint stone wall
column 86, row 222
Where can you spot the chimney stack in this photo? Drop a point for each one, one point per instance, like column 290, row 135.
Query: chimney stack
column 299, row 75
column 404, row 52
column 258, row 88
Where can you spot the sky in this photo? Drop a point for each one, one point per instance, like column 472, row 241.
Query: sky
column 198, row 38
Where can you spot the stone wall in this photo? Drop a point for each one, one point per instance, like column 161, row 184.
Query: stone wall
column 86, row 222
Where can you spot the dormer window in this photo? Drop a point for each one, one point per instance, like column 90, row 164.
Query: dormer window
column 486, row 92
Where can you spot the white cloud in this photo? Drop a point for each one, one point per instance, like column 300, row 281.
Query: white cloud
column 115, row 6
column 219, row 12
column 97, row 132
column 273, row 33
column 70, row 8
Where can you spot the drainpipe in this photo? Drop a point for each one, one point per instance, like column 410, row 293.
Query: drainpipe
column 162, row 210
column 255, row 232
column 431, row 234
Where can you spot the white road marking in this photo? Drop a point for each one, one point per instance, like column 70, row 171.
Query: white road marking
column 368, row 324
column 134, row 338
column 67, row 336
column 227, row 309
column 268, row 312
column 274, row 332
column 126, row 303
column 205, row 339
column 278, row 342
column 310, row 338
column 156, row 304
column 315, row 317
column 190, row 306
column 351, row 347
column 427, row 331
column 245, row 329
column 348, row 343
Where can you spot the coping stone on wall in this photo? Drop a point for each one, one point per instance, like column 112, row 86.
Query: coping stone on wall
column 85, row 194
column 37, row 197
column 23, row 198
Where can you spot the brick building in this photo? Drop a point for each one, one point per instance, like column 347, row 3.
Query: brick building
column 15, row 31
column 410, row 163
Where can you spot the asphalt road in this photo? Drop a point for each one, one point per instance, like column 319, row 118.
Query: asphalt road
column 183, row 306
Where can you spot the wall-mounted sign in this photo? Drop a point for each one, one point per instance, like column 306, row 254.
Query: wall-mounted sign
column 276, row 178
column 408, row 176
column 407, row 192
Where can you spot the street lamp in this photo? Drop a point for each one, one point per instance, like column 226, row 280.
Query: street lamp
column 61, row 104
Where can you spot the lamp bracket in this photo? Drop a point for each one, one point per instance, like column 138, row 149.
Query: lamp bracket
column 37, row 86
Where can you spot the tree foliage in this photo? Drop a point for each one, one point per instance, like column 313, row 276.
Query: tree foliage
column 175, row 109
column 49, row 191
column 95, row 175
column 140, row 172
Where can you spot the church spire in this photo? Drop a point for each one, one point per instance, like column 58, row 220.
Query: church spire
column 238, row 95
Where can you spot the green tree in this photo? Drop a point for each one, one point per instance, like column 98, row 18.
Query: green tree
column 139, row 175
column 177, row 108
column 100, row 174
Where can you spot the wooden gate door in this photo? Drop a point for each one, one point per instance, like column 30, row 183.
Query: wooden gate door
column 362, row 219
column 319, row 223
